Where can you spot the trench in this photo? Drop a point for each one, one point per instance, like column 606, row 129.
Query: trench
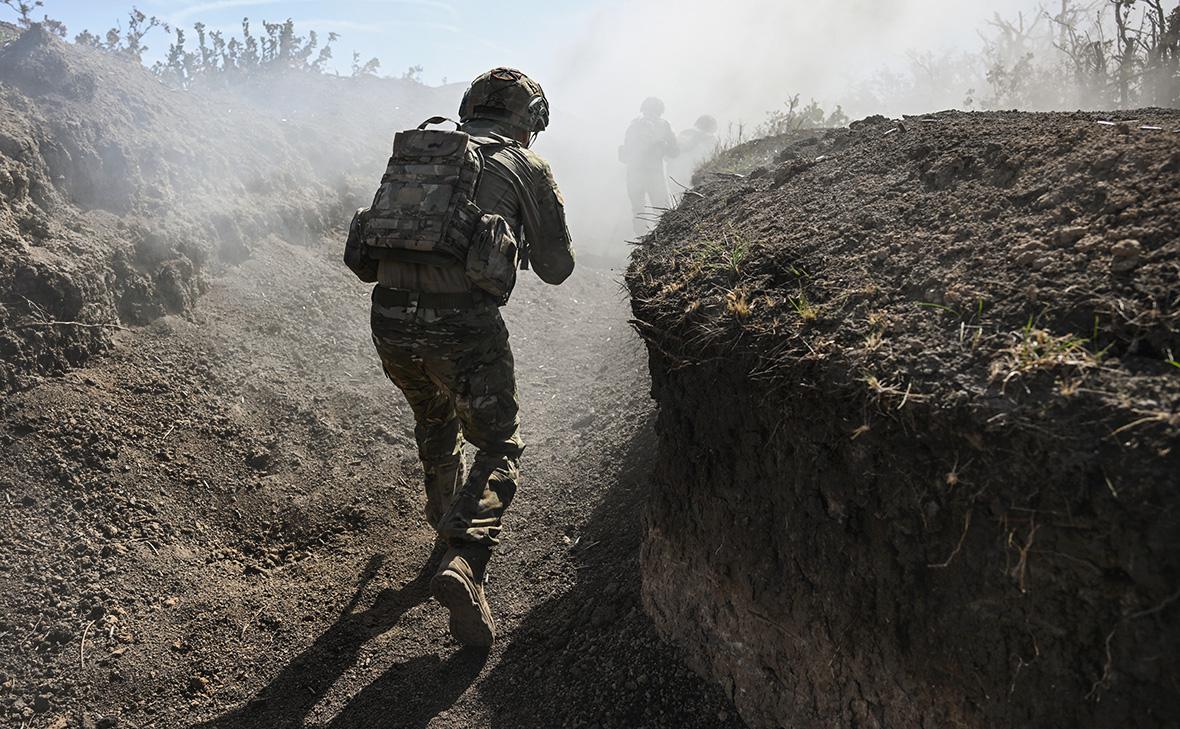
column 211, row 506
column 253, row 524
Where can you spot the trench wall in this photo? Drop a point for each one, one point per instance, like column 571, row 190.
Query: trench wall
column 925, row 572
column 918, row 425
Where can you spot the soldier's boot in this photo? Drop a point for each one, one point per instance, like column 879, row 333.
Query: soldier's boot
column 442, row 481
column 458, row 586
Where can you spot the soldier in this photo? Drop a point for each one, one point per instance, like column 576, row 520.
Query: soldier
column 443, row 343
column 696, row 144
column 648, row 142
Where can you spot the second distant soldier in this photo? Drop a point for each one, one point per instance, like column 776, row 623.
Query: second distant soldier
column 696, row 144
column 455, row 215
column 648, row 142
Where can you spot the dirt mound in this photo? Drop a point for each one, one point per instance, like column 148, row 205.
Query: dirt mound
column 117, row 194
column 761, row 152
column 928, row 367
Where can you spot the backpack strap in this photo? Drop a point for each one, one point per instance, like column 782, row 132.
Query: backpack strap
column 438, row 120
column 483, row 147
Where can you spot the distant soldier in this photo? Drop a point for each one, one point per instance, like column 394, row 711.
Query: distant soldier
column 443, row 240
column 696, row 144
column 648, row 142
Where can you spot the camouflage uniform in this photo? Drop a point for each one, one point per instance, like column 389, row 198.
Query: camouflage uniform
column 454, row 363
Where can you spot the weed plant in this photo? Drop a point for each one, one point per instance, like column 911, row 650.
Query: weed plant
column 214, row 56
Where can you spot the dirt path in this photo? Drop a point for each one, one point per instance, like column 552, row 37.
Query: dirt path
column 218, row 524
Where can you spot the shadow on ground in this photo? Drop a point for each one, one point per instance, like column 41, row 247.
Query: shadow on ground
column 591, row 657
column 393, row 700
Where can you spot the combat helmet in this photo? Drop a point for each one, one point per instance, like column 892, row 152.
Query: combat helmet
column 652, row 106
column 707, row 123
column 507, row 95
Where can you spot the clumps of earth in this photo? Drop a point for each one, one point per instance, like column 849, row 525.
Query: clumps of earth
column 929, row 367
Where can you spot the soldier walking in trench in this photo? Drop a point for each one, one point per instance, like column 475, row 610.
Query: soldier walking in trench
column 456, row 215
column 648, row 142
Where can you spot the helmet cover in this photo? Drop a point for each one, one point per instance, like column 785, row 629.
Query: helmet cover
column 507, row 95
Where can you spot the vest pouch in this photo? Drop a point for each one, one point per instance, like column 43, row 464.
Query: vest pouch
column 493, row 258
column 357, row 256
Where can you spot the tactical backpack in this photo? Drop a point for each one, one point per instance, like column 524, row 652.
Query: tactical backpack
column 424, row 211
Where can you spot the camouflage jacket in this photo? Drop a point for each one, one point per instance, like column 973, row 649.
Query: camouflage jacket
column 647, row 143
column 518, row 185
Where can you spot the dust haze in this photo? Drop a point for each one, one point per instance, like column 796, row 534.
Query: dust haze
column 737, row 61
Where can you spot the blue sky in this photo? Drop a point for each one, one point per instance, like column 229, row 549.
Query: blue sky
column 452, row 39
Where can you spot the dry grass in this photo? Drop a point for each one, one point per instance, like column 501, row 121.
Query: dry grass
column 1033, row 350
column 737, row 302
column 883, row 391
column 807, row 311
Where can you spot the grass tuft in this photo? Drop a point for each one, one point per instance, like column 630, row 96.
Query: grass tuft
column 1034, row 349
column 738, row 303
column 807, row 311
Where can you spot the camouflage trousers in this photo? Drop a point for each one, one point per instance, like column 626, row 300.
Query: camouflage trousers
column 455, row 368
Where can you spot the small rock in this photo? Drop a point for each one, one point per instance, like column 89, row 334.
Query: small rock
column 1066, row 237
column 1127, row 254
column 1106, row 163
column 41, row 704
column 1026, row 257
column 1127, row 247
